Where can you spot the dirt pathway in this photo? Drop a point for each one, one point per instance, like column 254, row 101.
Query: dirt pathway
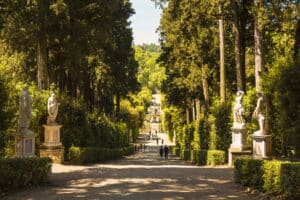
column 141, row 176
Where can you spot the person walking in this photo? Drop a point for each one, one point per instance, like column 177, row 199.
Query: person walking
column 161, row 151
column 166, row 151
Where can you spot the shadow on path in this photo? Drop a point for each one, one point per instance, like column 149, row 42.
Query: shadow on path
column 143, row 175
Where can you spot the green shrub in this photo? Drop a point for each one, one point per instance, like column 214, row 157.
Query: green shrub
column 175, row 151
column 290, row 180
column 279, row 178
column 202, row 157
column 194, row 156
column 271, row 176
column 79, row 155
column 185, row 154
column 248, row 172
column 20, row 172
column 215, row 157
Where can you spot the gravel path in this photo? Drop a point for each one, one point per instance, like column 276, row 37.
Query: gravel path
column 141, row 176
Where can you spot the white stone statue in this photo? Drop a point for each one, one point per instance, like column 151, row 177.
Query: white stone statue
column 52, row 106
column 238, row 110
column 259, row 113
column 25, row 108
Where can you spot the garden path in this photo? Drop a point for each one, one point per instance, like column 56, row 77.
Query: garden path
column 141, row 176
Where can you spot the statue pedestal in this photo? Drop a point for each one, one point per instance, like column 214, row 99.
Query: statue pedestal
column 262, row 146
column 52, row 146
column 238, row 147
column 25, row 144
column 239, row 139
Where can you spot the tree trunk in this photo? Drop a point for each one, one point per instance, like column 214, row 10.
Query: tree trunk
column 118, row 100
column 198, row 108
column 41, row 51
column 258, row 36
column 205, row 93
column 237, row 46
column 187, row 115
column 41, row 61
column 222, row 66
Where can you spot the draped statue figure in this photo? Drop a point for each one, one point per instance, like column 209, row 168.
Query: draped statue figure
column 259, row 114
column 52, row 106
column 238, row 110
column 25, row 108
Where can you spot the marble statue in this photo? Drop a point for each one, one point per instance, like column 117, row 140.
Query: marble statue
column 52, row 106
column 25, row 108
column 259, row 114
column 238, row 110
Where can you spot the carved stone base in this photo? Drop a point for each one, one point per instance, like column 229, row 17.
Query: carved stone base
column 233, row 154
column 239, row 139
column 57, row 155
column 262, row 146
column 25, row 145
column 52, row 135
column 52, row 146
column 238, row 147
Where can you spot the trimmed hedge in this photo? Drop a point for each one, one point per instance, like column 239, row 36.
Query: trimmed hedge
column 215, row 157
column 209, row 157
column 184, row 154
column 175, row 151
column 21, row 172
column 201, row 157
column 274, row 177
column 78, row 155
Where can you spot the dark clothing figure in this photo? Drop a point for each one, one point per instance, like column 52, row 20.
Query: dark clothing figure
column 161, row 151
column 166, row 151
column 162, row 141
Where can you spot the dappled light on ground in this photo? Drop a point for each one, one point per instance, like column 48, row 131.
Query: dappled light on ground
column 143, row 175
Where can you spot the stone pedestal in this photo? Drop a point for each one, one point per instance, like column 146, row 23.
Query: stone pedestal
column 239, row 139
column 233, row 154
column 25, row 144
column 238, row 147
column 262, row 146
column 52, row 146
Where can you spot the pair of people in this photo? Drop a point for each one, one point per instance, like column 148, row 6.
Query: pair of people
column 164, row 151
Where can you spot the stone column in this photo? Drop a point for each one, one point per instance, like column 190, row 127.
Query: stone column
column 262, row 146
column 52, row 146
column 238, row 147
column 25, row 144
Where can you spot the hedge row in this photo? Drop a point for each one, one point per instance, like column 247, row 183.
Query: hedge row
column 274, row 177
column 78, row 155
column 20, row 172
column 201, row 157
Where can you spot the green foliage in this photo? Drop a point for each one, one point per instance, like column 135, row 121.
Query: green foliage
column 3, row 117
column 271, row 176
column 208, row 157
column 222, row 113
column 248, row 172
column 215, row 157
column 150, row 74
column 132, row 115
column 202, row 154
column 176, row 151
column 79, row 155
column 290, row 180
column 275, row 177
column 185, row 154
column 17, row 173
column 213, row 137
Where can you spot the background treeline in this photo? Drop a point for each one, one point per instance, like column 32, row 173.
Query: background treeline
column 82, row 50
column 209, row 52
